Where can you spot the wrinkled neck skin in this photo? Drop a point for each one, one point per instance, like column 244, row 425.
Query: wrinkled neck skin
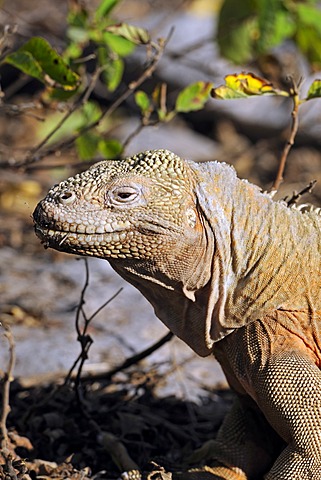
column 267, row 255
column 177, row 268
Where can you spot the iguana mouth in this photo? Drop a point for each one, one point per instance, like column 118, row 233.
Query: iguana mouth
column 115, row 244
column 54, row 236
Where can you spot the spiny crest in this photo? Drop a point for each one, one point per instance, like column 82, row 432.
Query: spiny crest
column 152, row 163
column 307, row 208
column 156, row 162
column 161, row 165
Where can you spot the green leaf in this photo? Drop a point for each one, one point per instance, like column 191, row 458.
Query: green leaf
column 251, row 28
column 165, row 116
column 274, row 25
column 69, row 127
column 142, row 101
column 309, row 42
column 110, row 148
column 226, row 93
column 113, row 73
column 284, row 28
column 73, row 51
column 193, row 97
column 137, row 35
column 51, row 94
column 104, row 8
column 77, row 16
column 87, row 145
column 117, row 44
column 25, row 62
column 39, row 60
column 90, row 112
column 314, row 90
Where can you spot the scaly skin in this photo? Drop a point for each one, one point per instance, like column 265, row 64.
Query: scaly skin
column 230, row 272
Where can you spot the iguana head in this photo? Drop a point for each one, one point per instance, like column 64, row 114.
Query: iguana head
column 141, row 208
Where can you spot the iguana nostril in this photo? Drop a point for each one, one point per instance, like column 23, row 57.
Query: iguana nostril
column 67, row 197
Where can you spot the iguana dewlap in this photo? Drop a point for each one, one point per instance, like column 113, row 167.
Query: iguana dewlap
column 229, row 271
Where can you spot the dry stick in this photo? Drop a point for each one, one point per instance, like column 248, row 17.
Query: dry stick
column 118, row 452
column 6, row 388
column 294, row 128
column 86, row 341
column 77, row 323
column 296, row 196
column 82, row 336
column 143, row 124
column 131, row 360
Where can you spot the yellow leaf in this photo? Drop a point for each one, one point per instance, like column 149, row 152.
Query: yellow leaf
column 243, row 85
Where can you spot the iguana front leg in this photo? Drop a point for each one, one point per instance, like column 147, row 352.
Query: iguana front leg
column 278, row 368
column 289, row 393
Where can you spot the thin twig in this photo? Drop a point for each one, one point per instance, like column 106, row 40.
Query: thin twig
column 132, row 135
column 287, row 147
column 82, row 298
column 297, row 195
column 105, row 304
column 159, row 48
column 162, row 98
column 134, row 359
column 8, row 377
column 83, row 338
column 143, row 124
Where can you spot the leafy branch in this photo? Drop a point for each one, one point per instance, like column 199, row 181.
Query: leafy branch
column 246, row 85
column 67, row 89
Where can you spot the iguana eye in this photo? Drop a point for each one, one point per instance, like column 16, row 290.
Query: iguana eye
column 124, row 194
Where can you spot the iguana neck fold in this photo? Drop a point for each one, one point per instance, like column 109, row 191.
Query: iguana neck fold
column 259, row 245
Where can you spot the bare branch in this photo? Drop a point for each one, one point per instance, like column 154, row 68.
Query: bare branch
column 287, row 147
column 134, row 359
column 83, row 338
column 297, row 195
column 8, row 377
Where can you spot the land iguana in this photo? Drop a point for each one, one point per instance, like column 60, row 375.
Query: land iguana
column 229, row 271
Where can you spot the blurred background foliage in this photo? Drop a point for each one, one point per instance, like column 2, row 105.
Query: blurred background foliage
column 250, row 29
column 96, row 47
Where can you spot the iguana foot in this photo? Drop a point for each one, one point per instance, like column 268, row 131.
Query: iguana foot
column 219, row 472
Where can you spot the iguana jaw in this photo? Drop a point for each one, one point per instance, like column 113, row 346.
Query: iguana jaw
column 108, row 244
column 115, row 239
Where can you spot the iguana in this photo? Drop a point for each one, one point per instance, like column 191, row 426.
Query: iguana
column 229, row 271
